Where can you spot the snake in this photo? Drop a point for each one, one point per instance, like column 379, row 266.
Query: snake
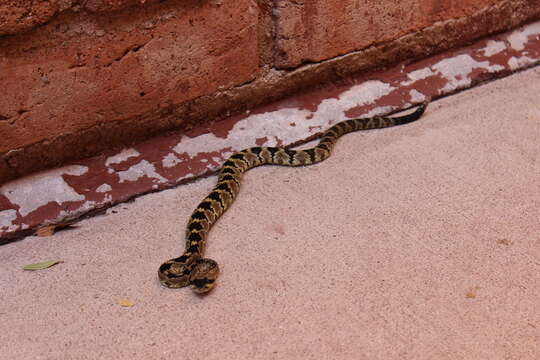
column 200, row 273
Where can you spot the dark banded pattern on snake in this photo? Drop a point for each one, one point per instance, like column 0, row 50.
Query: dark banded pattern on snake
column 201, row 273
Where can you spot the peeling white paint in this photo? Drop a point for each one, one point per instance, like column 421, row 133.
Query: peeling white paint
column 494, row 47
column 87, row 205
column 520, row 37
column 276, row 124
column 187, row 176
column 457, row 71
column 225, row 156
column 37, row 190
column 419, row 74
column 122, row 156
column 170, row 160
column 417, row 96
column 381, row 110
column 6, row 220
column 213, row 167
column 104, row 188
column 518, row 62
column 143, row 168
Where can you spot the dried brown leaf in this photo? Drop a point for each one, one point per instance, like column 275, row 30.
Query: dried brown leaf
column 50, row 229
column 46, row 230
column 504, row 241
column 471, row 294
column 125, row 303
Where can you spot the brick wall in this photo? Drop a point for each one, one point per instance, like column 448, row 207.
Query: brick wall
column 81, row 76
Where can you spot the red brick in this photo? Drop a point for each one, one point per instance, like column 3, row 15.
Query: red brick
column 315, row 30
column 82, row 70
column 22, row 15
column 98, row 74
column 106, row 5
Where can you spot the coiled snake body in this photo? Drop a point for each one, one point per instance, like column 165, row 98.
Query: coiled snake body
column 201, row 273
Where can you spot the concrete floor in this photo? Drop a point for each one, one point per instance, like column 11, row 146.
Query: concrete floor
column 415, row 242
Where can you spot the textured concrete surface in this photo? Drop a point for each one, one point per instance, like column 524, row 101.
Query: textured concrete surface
column 415, row 242
column 65, row 193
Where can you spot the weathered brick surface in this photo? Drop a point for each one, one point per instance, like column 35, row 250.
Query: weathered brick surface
column 83, row 70
column 22, row 15
column 315, row 30
column 106, row 5
column 103, row 73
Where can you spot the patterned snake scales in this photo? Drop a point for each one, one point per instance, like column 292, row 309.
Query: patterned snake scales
column 201, row 273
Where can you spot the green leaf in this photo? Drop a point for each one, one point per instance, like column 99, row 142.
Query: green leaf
column 42, row 265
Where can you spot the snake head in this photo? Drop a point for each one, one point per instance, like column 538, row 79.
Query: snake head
column 175, row 273
column 189, row 269
column 203, row 275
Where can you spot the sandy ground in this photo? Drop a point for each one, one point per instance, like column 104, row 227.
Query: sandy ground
column 415, row 242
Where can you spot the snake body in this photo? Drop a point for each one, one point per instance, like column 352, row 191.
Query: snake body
column 201, row 273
